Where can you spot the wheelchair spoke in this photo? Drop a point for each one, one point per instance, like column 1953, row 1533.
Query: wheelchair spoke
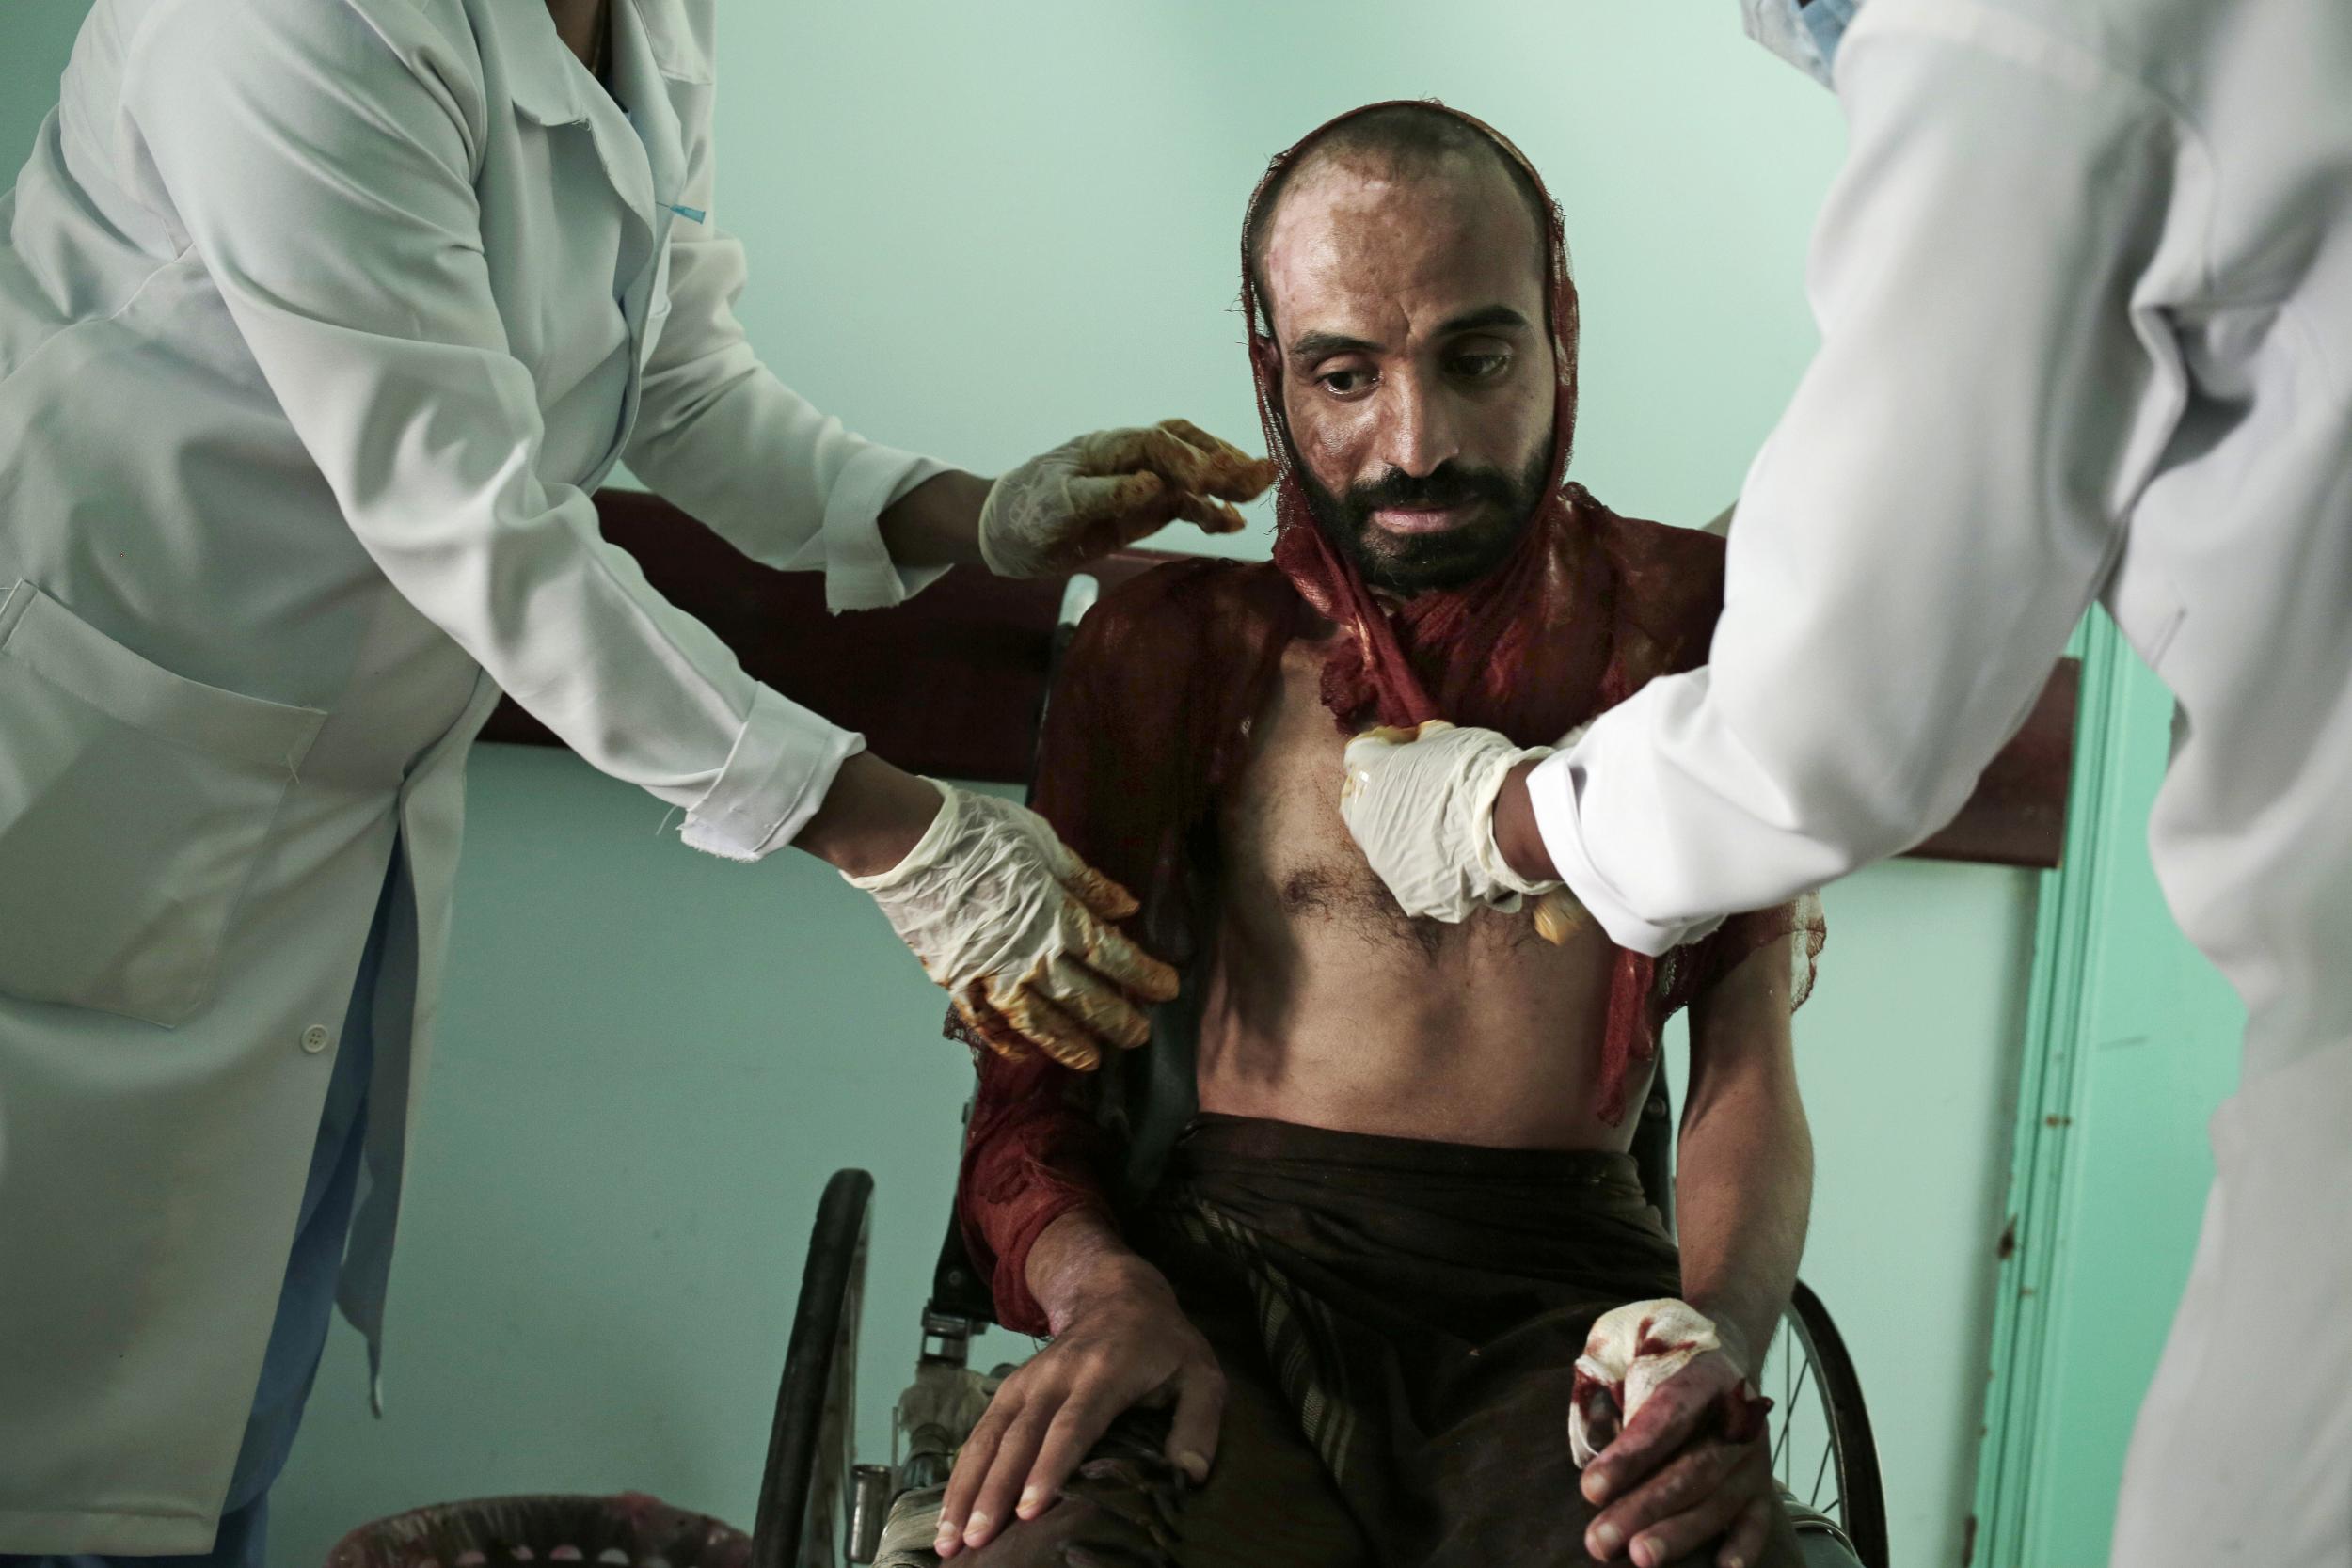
column 1780, row 1448
column 1815, row 1501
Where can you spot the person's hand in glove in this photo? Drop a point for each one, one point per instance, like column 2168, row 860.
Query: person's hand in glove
column 1421, row 804
column 1018, row 929
column 1103, row 492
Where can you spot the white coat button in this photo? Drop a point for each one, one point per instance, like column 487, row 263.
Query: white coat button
column 314, row 1039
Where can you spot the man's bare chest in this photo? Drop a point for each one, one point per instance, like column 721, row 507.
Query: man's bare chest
column 1324, row 1003
column 1285, row 855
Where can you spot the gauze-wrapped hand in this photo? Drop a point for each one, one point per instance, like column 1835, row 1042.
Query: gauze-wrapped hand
column 1103, row 492
column 1018, row 929
column 1634, row 1350
column 1421, row 804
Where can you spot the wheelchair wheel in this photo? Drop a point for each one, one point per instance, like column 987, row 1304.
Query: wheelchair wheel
column 1823, row 1454
column 803, row 1496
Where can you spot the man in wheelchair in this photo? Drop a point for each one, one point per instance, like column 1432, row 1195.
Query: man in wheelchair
column 1320, row 1263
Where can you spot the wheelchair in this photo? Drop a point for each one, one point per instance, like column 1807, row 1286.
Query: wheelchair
column 819, row 1506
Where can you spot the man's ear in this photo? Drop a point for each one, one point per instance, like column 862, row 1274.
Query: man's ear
column 1267, row 351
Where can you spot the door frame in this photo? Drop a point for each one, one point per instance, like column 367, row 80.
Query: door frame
column 2050, row 1089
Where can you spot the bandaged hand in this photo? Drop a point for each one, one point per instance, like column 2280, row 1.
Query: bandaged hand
column 1018, row 930
column 1104, row 491
column 1421, row 804
column 1663, row 1420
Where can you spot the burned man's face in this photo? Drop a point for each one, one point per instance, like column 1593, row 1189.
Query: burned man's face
column 1417, row 378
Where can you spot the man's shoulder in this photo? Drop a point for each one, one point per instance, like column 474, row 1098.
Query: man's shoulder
column 1187, row 598
column 1688, row 555
column 1171, row 649
column 1669, row 590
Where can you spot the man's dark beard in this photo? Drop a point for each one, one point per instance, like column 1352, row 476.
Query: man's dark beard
column 1417, row 563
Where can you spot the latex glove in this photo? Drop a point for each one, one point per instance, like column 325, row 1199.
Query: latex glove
column 1017, row 929
column 1421, row 804
column 1103, row 492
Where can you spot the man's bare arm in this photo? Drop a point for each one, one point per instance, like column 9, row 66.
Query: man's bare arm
column 1743, row 1185
column 1079, row 1257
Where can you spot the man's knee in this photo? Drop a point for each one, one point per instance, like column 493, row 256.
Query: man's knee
column 1076, row 1533
column 1119, row 1510
column 1266, row 1503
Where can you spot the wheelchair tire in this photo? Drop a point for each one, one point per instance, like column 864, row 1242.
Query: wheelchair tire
column 1813, row 1350
column 804, row 1492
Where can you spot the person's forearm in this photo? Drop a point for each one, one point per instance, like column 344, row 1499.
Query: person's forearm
column 1032, row 1155
column 872, row 815
column 1517, row 838
column 1935, row 510
column 938, row 522
column 1743, row 1188
column 1079, row 1258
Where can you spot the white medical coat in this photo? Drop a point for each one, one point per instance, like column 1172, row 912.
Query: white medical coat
column 2085, row 291
column 319, row 322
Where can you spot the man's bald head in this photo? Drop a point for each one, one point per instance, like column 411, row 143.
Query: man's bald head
column 1398, row 142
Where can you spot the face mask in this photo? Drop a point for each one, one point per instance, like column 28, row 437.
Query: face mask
column 1806, row 33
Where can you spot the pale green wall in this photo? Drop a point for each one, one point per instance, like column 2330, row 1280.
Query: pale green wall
column 975, row 230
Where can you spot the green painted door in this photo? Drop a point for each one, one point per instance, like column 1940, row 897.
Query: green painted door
column 2133, row 1043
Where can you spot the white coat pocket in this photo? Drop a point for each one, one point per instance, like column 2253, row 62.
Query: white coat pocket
column 133, row 804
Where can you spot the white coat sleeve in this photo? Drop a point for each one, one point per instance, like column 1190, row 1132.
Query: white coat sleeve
column 321, row 172
column 722, row 437
column 1938, row 506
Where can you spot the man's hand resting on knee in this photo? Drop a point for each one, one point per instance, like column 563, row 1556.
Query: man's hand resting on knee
column 1119, row 1340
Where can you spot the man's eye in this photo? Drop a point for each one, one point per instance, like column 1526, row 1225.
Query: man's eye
column 1344, row 382
column 1481, row 367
